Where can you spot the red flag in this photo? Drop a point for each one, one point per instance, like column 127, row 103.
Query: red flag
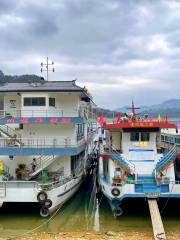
column 166, row 118
column 101, row 120
column 118, row 117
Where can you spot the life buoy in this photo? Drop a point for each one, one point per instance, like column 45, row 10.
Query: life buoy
column 42, row 196
column 48, row 203
column 44, row 212
column 115, row 192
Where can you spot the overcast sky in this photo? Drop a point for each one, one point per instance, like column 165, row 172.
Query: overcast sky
column 119, row 49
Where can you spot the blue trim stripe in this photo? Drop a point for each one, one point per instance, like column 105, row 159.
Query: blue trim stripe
column 15, row 151
column 141, row 160
column 140, row 196
column 141, row 150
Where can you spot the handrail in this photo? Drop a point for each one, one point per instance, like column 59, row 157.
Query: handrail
column 127, row 161
column 9, row 131
column 50, row 112
column 40, row 142
column 129, row 165
column 42, row 163
column 167, row 158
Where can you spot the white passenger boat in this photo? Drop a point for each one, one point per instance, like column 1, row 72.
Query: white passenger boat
column 133, row 164
column 46, row 137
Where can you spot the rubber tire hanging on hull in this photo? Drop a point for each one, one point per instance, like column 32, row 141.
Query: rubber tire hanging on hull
column 118, row 212
column 44, row 212
column 48, row 203
column 115, row 192
column 42, row 196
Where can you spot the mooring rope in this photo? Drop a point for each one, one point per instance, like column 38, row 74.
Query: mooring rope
column 165, row 205
column 38, row 227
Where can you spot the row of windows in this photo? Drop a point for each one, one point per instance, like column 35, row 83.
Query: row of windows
column 140, row 136
column 38, row 101
column 170, row 139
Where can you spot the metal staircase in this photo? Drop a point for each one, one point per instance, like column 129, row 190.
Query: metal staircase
column 42, row 163
column 166, row 160
column 10, row 133
column 124, row 163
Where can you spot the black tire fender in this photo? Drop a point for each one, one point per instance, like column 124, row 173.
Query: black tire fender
column 48, row 203
column 115, row 192
column 42, row 196
column 44, row 212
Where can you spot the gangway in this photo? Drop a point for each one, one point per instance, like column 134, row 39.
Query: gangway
column 157, row 224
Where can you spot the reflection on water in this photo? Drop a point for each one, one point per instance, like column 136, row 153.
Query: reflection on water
column 17, row 219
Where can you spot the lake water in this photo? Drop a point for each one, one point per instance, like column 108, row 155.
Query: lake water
column 75, row 216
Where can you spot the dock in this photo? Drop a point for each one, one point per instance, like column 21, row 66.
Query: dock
column 157, row 224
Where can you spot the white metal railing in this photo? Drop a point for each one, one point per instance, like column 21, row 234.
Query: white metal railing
column 40, row 142
column 56, row 112
column 8, row 131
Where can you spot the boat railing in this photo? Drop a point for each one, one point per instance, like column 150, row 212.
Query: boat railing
column 55, row 112
column 61, row 180
column 40, row 142
column 19, row 184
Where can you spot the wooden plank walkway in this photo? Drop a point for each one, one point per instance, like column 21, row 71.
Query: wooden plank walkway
column 158, row 228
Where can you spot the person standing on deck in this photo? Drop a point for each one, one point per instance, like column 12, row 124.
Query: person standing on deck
column 34, row 165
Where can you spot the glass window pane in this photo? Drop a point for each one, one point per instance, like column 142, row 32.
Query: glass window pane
column 27, row 101
column 144, row 136
column 35, row 101
column 52, row 102
column 134, row 136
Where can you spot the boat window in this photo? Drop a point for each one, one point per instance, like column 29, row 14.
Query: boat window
column 34, row 101
column 162, row 138
column 177, row 140
column 134, row 136
column 145, row 136
column 52, row 102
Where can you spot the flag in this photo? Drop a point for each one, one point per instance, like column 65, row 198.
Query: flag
column 159, row 118
column 101, row 120
column 166, row 118
column 151, row 119
column 118, row 117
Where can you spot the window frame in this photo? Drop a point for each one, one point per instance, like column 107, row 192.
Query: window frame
column 32, row 101
column 133, row 139
column 148, row 137
column 54, row 102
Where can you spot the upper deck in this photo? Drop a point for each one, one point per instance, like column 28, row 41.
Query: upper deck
column 47, row 102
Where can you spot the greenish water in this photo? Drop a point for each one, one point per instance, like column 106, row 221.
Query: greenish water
column 18, row 219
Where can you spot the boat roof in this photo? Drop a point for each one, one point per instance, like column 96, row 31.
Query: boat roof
column 140, row 125
column 44, row 86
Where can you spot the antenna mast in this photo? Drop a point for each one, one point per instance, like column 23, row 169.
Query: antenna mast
column 46, row 67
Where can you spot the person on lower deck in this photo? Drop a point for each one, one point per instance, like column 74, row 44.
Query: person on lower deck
column 34, row 165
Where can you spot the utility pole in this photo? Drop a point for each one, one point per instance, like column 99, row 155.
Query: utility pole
column 47, row 69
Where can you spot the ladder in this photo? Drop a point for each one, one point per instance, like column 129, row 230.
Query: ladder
column 166, row 160
column 42, row 163
column 126, row 165
column 10, row 133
